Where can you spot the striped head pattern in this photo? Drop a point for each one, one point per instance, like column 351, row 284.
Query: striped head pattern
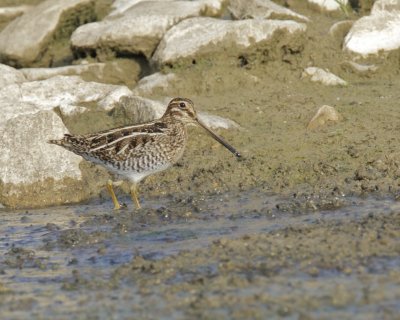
column 182, row 109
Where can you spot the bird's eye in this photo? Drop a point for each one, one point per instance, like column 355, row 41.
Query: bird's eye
column 182, row 105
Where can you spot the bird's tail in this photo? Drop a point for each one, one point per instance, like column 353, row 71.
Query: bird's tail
column 57, row 142
column 64, row 142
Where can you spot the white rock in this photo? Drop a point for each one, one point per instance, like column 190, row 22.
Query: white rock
column 371, row 34
column 199, row 36
column 329, row 5
column 61, row 91
column 266, row 9
column 26, row 38
column 138, row 31
column 323, row 115
column 25, row 155
column 9, row 75
column 33, row 172
column 156, row 81
column 322, row 76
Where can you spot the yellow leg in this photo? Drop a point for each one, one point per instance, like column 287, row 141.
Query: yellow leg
column 110, row 189
column 134, row 195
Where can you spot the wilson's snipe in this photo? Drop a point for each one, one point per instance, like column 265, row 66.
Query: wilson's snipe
column 137, row 151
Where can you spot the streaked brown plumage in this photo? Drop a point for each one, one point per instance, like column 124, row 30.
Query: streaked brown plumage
column 137, row 151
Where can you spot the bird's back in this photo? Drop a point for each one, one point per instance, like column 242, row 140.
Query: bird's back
column 138, row 148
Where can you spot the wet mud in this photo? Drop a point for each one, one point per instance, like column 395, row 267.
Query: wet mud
column 233, row 256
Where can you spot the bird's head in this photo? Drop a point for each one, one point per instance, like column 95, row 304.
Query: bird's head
column 182, row 109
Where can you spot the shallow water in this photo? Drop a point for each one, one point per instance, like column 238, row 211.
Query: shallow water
column 63, row 262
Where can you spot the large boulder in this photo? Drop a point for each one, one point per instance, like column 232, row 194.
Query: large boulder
column 33, row 172
column 26, row 39
column 377, row 32
column 137, row 31
column 198, row 37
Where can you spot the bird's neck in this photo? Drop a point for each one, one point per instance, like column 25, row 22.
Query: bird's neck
column 171, row 118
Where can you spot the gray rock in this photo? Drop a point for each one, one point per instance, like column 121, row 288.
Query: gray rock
column 201, row 36
column 265, row 9
column 31, row 170
column 137, row 31
column 26, row 39
column 325, row 77
column 60, row 91
column 377, row 32
column 9, row 75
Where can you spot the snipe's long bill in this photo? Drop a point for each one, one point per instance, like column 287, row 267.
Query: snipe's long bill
column 219, row 139
column 134, row 152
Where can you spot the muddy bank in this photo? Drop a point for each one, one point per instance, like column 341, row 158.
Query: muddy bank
column 219, row 257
